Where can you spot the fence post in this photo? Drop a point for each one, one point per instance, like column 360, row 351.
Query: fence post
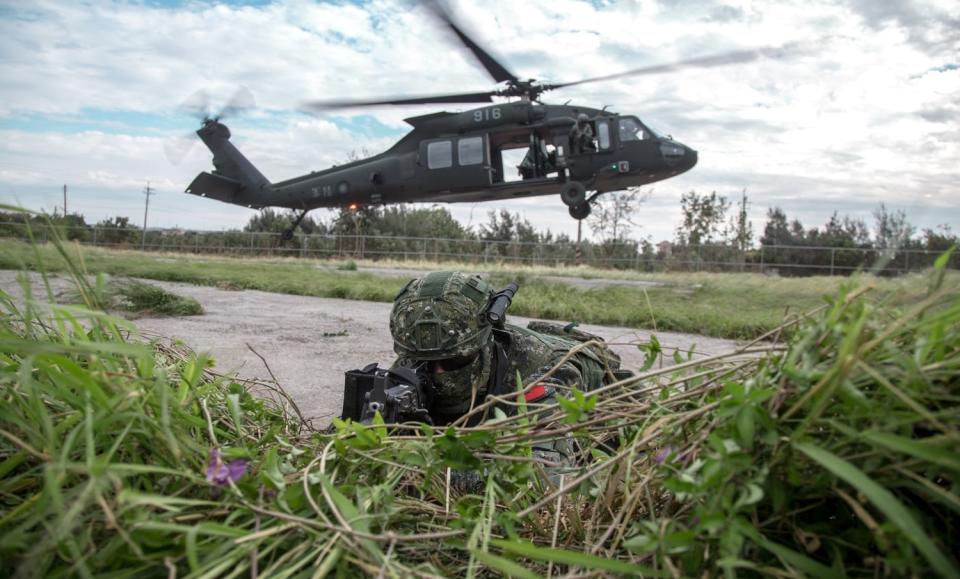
column 303, row 246
column 906, row 261
column 833, row 253
column 95, row 236
column 761, row 258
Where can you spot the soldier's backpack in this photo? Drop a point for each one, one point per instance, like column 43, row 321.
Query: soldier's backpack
column 600, row 350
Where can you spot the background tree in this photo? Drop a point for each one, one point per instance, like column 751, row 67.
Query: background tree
column 891, row 230
column 843, row 231
column 271, row 220
column 611, row 220
column 406, row 221
column 704, row 217
column 117, row 230
column 516, row 235
column 940, row 239
column 72, row 226
column 500, row 226
column 777, row 229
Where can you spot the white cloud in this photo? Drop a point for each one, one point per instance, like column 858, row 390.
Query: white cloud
column 867, row 115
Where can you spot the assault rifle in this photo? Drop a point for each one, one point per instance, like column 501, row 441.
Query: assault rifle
column 404, row 394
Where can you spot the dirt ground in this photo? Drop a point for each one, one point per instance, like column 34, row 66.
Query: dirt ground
column 310, row 342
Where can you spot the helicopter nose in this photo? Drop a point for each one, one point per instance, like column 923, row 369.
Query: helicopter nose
column 678, row 156
column 689, row 159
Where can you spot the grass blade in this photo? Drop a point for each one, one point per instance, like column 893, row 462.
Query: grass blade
column 505, row 566
column 885, row 502
column 916, row 449
column 583, row 560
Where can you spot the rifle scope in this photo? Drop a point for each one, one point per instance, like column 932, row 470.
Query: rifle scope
column 500, row 302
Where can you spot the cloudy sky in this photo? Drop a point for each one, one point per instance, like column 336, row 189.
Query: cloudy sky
column 866, row 114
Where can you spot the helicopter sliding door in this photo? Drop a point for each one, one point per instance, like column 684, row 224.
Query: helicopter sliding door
column 456, row 163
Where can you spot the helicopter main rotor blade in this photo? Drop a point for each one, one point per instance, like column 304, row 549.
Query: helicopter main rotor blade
column 493, row 66
column 736, row 57
column 473, row 97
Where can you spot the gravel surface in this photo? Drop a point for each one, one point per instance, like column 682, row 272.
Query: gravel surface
column 310, row 342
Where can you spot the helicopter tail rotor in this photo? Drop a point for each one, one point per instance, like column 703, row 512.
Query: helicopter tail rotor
column 198, row 106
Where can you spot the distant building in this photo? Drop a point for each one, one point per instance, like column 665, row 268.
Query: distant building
column 664, row 249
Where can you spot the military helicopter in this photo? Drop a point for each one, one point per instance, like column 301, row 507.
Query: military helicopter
column 460, row 156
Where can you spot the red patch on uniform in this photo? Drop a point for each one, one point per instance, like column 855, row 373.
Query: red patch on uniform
column 536, row 393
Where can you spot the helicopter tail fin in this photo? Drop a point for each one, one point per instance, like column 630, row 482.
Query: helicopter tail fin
column 235, row 179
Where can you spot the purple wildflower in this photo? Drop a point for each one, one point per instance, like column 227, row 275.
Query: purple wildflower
column 661, row 456
column 222, row 474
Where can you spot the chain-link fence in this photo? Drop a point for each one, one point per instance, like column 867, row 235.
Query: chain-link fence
column 782, row 259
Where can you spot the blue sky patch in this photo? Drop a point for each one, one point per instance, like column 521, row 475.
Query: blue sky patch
column 120, row 122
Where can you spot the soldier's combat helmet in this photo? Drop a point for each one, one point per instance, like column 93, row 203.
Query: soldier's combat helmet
column 438, row 319
column 438, row 316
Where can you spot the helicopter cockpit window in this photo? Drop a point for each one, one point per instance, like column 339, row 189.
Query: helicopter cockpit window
column 632, row 130
column 440, row 155
column 603, row 134
column 470, row 151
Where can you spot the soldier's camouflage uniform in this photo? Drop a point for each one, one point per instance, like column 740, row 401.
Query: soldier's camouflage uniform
column 438, row 319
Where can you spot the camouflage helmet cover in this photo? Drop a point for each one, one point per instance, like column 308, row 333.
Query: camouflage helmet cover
column 438, row 316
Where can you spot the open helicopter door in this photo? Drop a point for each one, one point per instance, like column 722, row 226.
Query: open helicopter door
column 456, row 163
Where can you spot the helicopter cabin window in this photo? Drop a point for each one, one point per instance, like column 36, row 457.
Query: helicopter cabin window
column 470, row 151
column 603, row 134
column 631, row 130
column 440, row 155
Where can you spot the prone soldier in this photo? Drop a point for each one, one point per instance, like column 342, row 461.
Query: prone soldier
column 455, row 349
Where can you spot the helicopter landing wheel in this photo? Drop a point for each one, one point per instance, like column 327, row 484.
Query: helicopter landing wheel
column 573, row 193
column 580, row 211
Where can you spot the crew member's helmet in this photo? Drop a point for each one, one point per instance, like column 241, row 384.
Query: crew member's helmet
column 438, row 320
column 582, row 119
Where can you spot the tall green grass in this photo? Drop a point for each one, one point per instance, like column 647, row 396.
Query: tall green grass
column 833, row 455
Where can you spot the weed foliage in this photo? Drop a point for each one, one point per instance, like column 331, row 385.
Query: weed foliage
column 834, row 454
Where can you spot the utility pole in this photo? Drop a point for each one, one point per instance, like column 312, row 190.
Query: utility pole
column 64, row 200
column 148, row 192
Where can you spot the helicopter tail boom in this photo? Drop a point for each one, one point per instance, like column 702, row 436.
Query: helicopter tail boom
column 234, row 180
